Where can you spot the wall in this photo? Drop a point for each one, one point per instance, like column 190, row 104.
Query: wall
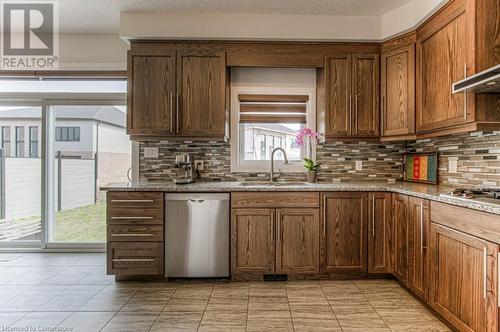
column 477, row 155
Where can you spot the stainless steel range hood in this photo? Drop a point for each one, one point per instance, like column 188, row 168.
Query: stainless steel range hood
column 487, row 81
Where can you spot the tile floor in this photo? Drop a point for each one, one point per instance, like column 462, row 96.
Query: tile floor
column 72, row 292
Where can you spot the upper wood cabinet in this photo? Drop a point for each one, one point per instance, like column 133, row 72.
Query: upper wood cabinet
column 176, row 94
column 352, row 91
column 458, row 41
column 345, row 233
column 380, row 235
column 397, row 90
column 297, row 241
column 401, row 231
column 418, row 253
column 463, row 274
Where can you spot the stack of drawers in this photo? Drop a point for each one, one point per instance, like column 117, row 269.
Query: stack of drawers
column 135, row 233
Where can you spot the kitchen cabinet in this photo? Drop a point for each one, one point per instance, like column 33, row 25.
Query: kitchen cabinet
column 297, row 241
column 135, row 233
column 380, row 238
column 176, row 94
column 352, row 94
column 463, row 277
column 418, row 248
column 400, row 210
column 274, row 233
column 252, row 239
column 397, row 91
column 458, row 41
column 345, row 233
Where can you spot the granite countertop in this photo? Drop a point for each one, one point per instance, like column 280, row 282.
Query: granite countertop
column 431, row 192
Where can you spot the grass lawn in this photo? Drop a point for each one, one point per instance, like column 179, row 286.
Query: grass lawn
column 83, row 224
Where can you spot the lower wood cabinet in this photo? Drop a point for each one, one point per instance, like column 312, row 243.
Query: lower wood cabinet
column 380, row 238
column 418, row 246
column 345, row 217
column 463, row 275
column 135, row 258
column 401, row 227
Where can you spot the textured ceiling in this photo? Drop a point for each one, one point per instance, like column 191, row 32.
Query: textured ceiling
column 102, row 16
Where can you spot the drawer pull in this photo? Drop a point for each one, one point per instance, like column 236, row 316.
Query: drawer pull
column 131, row 234
column 131, row 218
column 132, row 201
column 131, row 260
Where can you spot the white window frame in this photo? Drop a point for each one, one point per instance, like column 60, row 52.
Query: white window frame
column 259, row 167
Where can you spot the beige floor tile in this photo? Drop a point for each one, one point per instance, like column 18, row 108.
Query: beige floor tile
column 186, row 305
column 241, row 293
column 86, row 321
column 222, row 304
column 41, row 321
column 202, row 293
column 314, row 318
column 360, row 319
column 269, row 321
column 130, row 322
column 223, row 321
column 178, row 321
column 267, row 303
column 268, row 292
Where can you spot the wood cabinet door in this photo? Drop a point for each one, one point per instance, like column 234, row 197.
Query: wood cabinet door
column 201, row 88
column 252, row 241
column 400, row 224
column 297, row 241
column 151, row 92
column 445, row 55
column 418, row 246
column 398, row 91
column 365, row 94
column 380, row 239
column 345, row 239
column 338, row 120
column 464, row 279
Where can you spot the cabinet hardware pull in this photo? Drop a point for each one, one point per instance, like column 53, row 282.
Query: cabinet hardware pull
column 350, row 114
column 171, row 110
column 465, row 93
column 132, row 201
column 177, row 113
column 324, row 216
column 373, row 216
column 271, row 230
column 133, row 260
column 485, row 271
column 421, row 228
column 498, row 279
column 278, row 225
column 382, row 118
column 132, row 218
column 129, row 235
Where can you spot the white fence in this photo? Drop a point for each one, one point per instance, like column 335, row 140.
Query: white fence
column 22, row 193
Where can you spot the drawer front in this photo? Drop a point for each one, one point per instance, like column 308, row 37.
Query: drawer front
column 274, row 200
column 134, row 199
column 135, row 216
column 145, row 233
column 135, row 258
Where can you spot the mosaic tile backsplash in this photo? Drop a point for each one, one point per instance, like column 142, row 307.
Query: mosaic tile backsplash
column 477, row 156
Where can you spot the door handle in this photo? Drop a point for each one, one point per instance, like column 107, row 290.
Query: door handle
column 324, row 216
column 485, row 271
column 132, row 218
column 132, row 201
column 421, row 228
column 350, row 114
column 373, row 216
column 130, row 234
column 171, row 112
column 177, row 113
column 465, row 93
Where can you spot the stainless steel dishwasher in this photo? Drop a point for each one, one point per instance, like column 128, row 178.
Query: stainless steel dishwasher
column 196, row 235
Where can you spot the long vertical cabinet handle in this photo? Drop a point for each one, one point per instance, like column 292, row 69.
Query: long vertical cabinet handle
column 171, row 112
column 382, row 117
column 485, row 271
column 350, row 114
column 465, row 93
column 373, row 215
column 177, row 113
column 498, row 279
column 273, row 217
column 324, row 216
column 421, row 228
column 278, row 227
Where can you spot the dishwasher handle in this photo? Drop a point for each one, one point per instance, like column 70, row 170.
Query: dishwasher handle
column 197, row 200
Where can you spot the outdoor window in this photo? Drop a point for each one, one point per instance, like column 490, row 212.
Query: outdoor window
column 67, row 134
column 19, row 142
column 6, row 141
column 33, row 141
column 266, row 122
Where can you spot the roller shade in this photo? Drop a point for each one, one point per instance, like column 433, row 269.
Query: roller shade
column 273, row 108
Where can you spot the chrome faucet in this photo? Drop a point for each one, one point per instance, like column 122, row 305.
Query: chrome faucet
column 272, row 177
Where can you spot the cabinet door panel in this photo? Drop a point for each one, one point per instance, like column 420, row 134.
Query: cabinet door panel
column 297, row 241
column 201, row 88
column 400, row 223
column 252, row 240
column 380, row 239
column 345, row 233
column 151, row 93
column 418, row 246
column 365, row 95
column 398, row 92
column 339, row 117
column 462, row 270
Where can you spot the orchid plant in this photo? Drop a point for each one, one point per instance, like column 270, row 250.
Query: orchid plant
column 310, row 137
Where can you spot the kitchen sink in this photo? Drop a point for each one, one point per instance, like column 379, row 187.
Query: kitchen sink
column 277, row 184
